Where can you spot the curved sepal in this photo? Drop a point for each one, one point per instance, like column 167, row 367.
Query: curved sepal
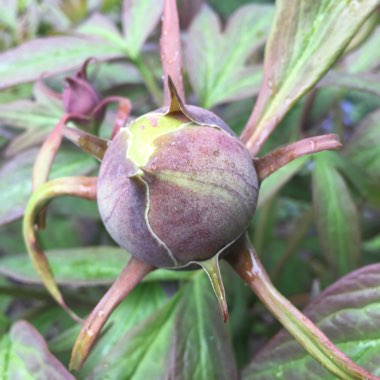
column 211, row 267
column 83, row 187
column 131, row 276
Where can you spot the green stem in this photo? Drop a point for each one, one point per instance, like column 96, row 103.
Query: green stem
column 149, row 80
column 307, row 334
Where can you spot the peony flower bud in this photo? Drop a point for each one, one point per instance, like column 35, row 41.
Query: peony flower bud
column 176, row 187
column 81, row 98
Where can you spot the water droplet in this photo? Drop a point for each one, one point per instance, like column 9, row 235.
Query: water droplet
column 90, row 332
column 101, row 313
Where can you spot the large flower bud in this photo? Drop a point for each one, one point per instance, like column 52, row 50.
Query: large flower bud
column 176, row 187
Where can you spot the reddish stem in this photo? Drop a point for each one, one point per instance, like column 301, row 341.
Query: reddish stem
column 273, row 161
column 171, row 54
column 131, row 276
column 246, row 263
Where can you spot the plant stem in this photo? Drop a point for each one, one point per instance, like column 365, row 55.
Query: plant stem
column 309, row 336
column 149, row 80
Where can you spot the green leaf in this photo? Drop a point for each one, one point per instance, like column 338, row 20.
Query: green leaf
column 16, row 183
column 88, row 266
column 200, row 347
column 337, row 216
column 51, row 55
column 372, row 245
column 217, row 60
column 364, row 145
column 139, row 18
column 136, row 337
column 367, row 82
column 24, row 355
column 274, row 183
column 366, row 57
column 305, row 41
column 184, row 339
column 348, row 312
column 100, row 26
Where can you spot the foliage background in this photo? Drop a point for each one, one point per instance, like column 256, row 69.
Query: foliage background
column 318, row 218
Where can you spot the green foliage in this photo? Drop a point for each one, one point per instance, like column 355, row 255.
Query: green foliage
column 317, row 219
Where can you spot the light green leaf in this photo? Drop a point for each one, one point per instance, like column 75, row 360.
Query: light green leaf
column 305, row 41
column 139, row 18
column 24, row 355
column 87, row 266
column 51, row 55
column 100, row 26
column 217, row 60
column 366, row 57
column 367, row 82
column 16, row 178
column 337, row 216
column 348, row 312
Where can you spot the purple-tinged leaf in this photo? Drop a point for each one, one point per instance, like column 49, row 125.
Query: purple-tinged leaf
column 44, row 56
column 305, row 41
column 16, row 178
column 217, row 64
column 337, row 216
column 139, row 18
column 25, row 355
column 348, row 312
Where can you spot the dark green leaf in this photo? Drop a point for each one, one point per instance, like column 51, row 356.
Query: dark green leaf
column 337, row 216
column 16, row 184
column 364, row 145
column 134, row 340
column 24, row 355
column 217, row 64
column 200, row 348
column 184, row 339
column 348, row 312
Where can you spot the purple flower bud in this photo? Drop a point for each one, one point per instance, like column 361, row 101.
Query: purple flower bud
column 81, row 98
column 172, row 191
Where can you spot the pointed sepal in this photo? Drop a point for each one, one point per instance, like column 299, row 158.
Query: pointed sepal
column 212, row 269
